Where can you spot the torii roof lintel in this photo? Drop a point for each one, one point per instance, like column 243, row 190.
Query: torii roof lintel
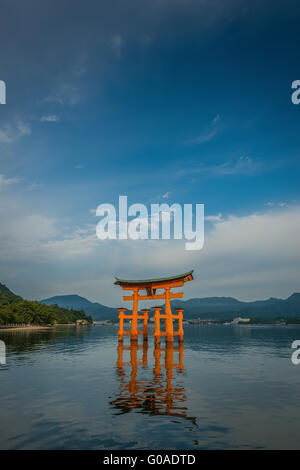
column 188, row 276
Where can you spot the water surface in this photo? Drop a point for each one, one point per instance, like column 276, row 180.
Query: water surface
column 75, row 388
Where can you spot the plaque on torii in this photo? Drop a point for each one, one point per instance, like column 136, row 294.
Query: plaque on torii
column 148, row 289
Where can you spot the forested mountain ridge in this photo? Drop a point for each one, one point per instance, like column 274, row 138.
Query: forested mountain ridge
column 15, row 310
column 95, row 309
column 217, row 308
column 68, row 308
column 7, row 296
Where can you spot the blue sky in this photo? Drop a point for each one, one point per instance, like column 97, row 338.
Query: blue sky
column 189, row 98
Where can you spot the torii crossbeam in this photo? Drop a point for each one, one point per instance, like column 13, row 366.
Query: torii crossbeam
column 150, row 286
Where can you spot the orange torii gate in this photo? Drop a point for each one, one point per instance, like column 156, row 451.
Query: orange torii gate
column 151, row 286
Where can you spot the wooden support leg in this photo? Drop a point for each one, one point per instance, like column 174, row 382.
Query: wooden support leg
column 169, row 318
column 121, row 324
column 157, row 325
column 145, row 325
column 180, row 327
column 134, row 321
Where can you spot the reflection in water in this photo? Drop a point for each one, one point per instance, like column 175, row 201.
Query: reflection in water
column 20, row 342
column 161, row 394
column 58, row 384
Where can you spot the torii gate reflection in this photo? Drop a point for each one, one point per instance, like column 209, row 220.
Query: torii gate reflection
column 161, row 394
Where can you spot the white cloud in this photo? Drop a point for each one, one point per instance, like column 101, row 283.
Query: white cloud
column 205, row 136
column 65, row 95
column 214, row 218
column 254, row 256
column 146, row 39
column 216, row 119
column 116, row 43
column 243, row 165
column 11, row 132
column 33, row 186
column 4, row 182
column 208, row 133
column 279, row 204
column 50, row 118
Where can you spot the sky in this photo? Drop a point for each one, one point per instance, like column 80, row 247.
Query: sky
column 163, row 101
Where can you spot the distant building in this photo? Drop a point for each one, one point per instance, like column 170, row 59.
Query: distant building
column 238, row 320
column 104, row 323
column 200, row 321
column 81, row 322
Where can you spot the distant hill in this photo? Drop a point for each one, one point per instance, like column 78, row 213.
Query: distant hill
column 97, row 311
column 7, row 296
column 228, row 307
column 218, row 308
column 16, row 310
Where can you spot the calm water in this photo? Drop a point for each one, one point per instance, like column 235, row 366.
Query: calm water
column 229, row 387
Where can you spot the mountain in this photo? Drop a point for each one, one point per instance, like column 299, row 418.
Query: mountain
column 7, row 296
column 96, row 310
column 218, row 308
column 16, row 310
column 226, row 308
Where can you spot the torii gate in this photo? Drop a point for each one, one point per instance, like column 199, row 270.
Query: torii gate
column 150, row 286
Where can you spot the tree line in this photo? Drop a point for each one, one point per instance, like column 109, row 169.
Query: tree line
column 15, row 310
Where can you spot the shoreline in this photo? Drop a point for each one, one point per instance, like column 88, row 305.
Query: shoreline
column 48, row 327
column 34, row 327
